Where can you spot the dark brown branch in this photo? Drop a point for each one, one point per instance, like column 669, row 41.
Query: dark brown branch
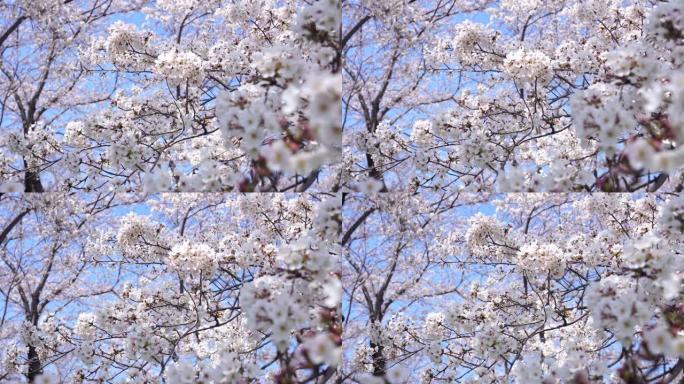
column 11, row 29
column 356, row 225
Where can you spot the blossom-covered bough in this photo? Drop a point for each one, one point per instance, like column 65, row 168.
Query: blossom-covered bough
column 514, row 96
column 170, row 95
column 184, row 288
column 518, row 288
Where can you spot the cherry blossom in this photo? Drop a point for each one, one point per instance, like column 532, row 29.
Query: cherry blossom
column 170, row 96
column 183, row 288
column 514, row 288
column 514, row 96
